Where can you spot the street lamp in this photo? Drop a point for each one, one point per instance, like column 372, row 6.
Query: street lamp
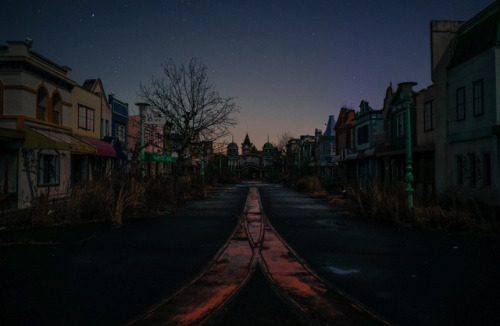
column 142, row 114
column 406, row 97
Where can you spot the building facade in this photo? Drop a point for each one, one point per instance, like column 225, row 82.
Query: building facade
column 251, row 164
column 35, row 119
column 473, row 109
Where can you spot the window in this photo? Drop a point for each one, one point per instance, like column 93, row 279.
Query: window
column 472, row 169
column 48, row 169
column 400, row 124
column 461, row 104
column 1, row 98
column 428, row 125
column 120, row 132
column 41, row 104
column 56, row 108
column 460, row 169
column 106, row 127
column 363, row 135
column 477, row 98
column 85, row 118
column 487, row 169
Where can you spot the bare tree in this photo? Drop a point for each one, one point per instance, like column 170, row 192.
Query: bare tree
column 185, row 97
column 282, row 141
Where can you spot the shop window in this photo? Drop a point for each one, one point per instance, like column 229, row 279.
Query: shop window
column 48, row 169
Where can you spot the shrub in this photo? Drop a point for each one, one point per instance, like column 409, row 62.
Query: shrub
column 309, row 185
column 456, row 212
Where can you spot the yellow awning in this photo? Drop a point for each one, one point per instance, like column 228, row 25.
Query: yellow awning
column 38, row 138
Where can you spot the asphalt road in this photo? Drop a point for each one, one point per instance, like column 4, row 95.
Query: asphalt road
column 97, row 275
column 410, row 277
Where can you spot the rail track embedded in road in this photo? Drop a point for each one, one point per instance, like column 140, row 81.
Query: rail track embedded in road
column 255, row 242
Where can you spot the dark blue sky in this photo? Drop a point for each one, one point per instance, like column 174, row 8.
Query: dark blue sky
column 289, row 64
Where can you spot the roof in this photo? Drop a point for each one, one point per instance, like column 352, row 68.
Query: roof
column 103, row 148
column 247, row 142
column 346, row 116
column 478, row 35
column 268, row 145
column 89, row 84
column 232, row 145
column 330, row 131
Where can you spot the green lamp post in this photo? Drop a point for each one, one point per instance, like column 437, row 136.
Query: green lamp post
column 406, row 97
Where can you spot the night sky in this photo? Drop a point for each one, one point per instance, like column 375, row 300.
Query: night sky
column 288, row 64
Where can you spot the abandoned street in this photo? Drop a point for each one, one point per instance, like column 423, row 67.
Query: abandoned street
column 250, row 254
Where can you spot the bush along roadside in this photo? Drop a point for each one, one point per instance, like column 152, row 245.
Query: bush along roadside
column 454, row 213
column 110, row 201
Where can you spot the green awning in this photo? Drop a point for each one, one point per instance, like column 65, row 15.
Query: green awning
column 50, row 139
column 151, row 157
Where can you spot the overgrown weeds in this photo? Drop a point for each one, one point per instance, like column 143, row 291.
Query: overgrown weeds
column 310, row 185
column 456, row 212
column 111, row 201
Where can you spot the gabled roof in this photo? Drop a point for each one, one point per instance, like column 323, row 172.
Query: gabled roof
column 89, row 84
column 346, row 116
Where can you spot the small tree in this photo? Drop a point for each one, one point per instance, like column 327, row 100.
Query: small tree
column 184, row 96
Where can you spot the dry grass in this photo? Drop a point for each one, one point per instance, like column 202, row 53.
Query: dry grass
column 110, row 201
column 310, row 185
column 455, row 213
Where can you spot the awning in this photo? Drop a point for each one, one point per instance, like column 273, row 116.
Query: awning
column 103, row 148
column 37, row 138
column 150, row 157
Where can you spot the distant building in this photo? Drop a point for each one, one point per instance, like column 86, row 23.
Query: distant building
column 343, row 132
column 251, row 163
column 119, row 128
column 366, row 124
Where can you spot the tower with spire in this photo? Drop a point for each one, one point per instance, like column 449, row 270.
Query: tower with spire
column 246, row 146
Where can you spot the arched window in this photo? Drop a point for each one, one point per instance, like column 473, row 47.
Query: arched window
column 56, row 108
column 1, row 98
column 41, row 104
